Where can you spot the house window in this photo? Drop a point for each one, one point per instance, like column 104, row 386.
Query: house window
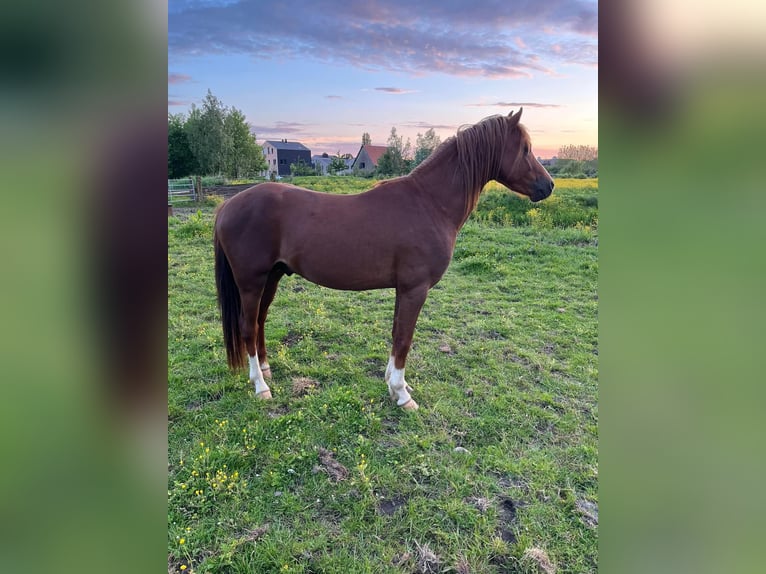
column 361, row 165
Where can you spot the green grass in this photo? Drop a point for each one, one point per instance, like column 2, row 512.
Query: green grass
column 504, row 365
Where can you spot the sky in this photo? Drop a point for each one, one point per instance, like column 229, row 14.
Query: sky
column 323, row 72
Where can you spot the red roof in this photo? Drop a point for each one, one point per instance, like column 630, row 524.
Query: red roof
column 375, row 151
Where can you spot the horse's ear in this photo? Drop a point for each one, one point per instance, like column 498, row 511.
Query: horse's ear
column 514, row 118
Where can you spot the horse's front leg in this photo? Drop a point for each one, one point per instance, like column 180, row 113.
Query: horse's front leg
column 408, row 305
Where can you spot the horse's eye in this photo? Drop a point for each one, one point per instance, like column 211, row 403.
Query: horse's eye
column 526, row 149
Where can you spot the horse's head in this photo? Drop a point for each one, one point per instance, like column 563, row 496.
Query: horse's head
column 519, row 169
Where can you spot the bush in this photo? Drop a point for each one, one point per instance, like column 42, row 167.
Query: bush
column 211, row 180
column 213, row 200
column 567, row 207
column 194, row 227
column 302, row 169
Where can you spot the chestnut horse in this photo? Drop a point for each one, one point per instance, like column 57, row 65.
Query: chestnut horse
column 400, row 234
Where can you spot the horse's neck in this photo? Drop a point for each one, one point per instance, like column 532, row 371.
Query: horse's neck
column 441, row 180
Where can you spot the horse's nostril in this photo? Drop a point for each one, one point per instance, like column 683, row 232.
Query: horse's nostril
column 552, row 185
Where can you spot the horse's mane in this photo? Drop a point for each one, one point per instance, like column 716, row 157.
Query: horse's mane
column 479, row 155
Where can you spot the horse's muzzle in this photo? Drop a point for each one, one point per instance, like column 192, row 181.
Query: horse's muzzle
column 543, row 188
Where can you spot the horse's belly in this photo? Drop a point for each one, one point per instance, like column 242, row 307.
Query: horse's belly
column 348, row 275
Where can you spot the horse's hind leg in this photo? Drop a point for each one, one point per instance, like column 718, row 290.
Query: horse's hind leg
column 251, row 301
column 408, row 306
column 268, row 296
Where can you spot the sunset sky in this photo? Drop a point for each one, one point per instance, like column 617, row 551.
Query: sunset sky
column 323, row 72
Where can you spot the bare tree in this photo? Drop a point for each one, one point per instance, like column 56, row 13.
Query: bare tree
column 578, row 152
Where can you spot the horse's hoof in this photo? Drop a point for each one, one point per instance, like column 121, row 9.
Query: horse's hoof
column 266, row 371
column 264, row 395
column 410, row 405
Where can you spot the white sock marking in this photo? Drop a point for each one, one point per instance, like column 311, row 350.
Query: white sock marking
column 256, row 376
column 397, row 386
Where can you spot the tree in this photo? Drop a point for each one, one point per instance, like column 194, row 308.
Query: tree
column 396, row 159
column 425, row 145
column 242, row 155
column 578, row 152
column 205, row 129
column 576, row 161
column 366, row 139
column 337, row 164
column 302, row 168
column 181, row 160
column 218, row 138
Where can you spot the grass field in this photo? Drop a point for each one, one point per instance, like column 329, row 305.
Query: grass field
column 497, row 471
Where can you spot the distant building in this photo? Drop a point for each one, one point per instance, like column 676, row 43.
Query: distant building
column 367, row 159
column 280, row 154
column 323, row 162
column 548, row 162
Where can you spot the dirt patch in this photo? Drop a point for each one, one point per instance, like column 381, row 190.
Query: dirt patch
column 327, row 464
column 183, row 213
column 588, row 512
column 277, row 412
column 291, row 339
column 513, row 357
column 480, row 503
column 506, row 513
column 540, row 558
column 462, row 566
column 210, row 397
column 445, row 348
column 552, row 405
column 515, row 482
column 374, row 368
column 256, row 533
column 427, row 561
column 391, row 426
column 174, row 564
column 401, row 559
column 389, row 506
column 303, row 385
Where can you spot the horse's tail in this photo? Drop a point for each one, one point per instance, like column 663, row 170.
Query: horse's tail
column 231, row 307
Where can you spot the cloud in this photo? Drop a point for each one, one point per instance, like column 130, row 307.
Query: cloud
column 333, row 97
column 514, row 105
column 177, row 103
column 493, row 38
column 279, row 129
column 429, row 125
column 395, row 90
column 178, row 78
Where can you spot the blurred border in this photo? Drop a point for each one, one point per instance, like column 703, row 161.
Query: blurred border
column 682, row 262
column 82, row 153
column 84, row 329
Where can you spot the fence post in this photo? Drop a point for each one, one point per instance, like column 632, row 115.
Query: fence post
column 198, row 189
